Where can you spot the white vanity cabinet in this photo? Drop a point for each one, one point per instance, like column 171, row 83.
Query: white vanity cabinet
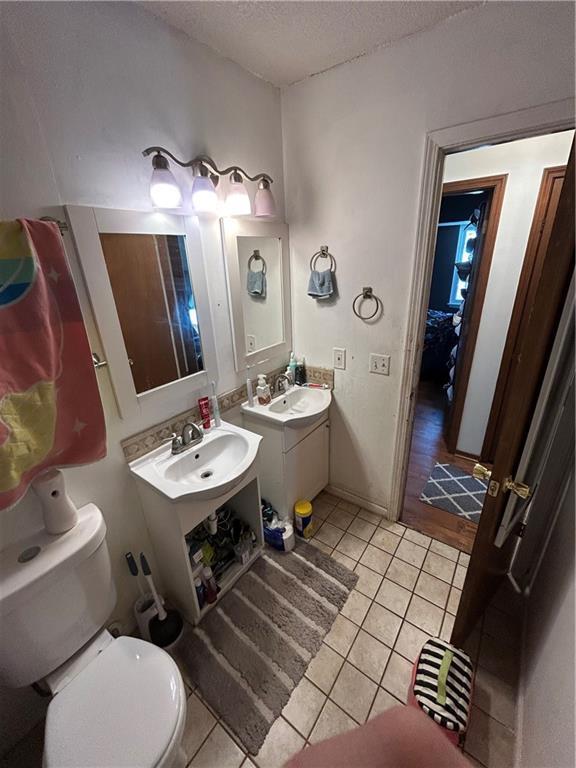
column 294, row 461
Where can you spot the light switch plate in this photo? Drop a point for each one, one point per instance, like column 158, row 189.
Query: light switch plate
column 339, row 358
column 250, row 343
column 379, row 364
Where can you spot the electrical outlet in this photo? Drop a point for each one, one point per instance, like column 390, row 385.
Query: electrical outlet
column 339, row 358
column 379, row 364
column 250, row 343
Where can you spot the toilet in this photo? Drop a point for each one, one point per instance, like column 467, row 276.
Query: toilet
column 116, row 701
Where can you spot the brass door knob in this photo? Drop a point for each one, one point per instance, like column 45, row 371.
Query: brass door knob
column 520, row 489
column 480, row 472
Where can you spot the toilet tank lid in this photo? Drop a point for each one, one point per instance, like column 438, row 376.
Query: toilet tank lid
column 122, row 709
column 55, row 555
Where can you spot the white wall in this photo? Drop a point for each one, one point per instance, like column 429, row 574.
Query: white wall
column 546, row 712
column 353, row 146
column 86, row 87
column 524, row 162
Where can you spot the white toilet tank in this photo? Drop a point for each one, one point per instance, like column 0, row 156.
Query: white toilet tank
column 56, row 592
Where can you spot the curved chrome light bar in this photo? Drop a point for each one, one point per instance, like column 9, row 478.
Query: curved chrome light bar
column 165, row 192
column 206, row 161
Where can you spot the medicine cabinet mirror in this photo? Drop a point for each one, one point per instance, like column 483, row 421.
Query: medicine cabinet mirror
column 145, row 276
column 259, row 290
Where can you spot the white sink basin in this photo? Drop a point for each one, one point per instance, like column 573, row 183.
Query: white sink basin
column 205, row 471
column 298, row 407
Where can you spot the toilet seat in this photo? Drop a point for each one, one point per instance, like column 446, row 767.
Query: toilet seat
column 126, row 709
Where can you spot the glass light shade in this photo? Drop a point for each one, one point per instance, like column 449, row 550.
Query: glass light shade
column 204, row 196
column 164, row 189
column 264, row 203
column 238, row 200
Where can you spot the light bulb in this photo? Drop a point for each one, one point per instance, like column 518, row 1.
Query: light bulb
column 204, row 197
column 264, row 204
column 164, row 189
column 237, row 199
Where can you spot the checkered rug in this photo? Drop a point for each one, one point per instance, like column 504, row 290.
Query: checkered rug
column 454, row 490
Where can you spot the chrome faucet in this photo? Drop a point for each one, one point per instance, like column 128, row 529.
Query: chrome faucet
column 284, row 381
column 191, row 435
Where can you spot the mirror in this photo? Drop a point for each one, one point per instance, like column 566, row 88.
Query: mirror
column 258, row 289
column 145, row 277
column 154, row 299
column 260, row 263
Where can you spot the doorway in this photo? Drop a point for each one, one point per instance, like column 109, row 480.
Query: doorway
column 495, row 214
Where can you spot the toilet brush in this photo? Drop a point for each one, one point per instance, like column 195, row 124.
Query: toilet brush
column 166, row 627
column 133, row 566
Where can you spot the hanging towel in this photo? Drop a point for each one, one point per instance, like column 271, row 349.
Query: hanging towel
column 256, row 284
column 321, row 284
column 50, row 409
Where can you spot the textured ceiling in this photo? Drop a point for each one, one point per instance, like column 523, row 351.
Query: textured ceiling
column 286, row 41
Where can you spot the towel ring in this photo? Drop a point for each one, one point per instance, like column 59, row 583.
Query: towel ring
column 367, row 293
column 323, row 253
column 256, row 257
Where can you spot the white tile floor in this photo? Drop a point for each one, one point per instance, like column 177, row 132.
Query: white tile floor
column 408, row 589
column 404, row 595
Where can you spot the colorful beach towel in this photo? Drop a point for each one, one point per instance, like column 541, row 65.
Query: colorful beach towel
column 50, row 409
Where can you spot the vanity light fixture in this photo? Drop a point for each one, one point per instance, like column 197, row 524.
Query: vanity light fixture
column 206, row 178
column 164, row 189
column 237, row 199
column 204, row 195
column 264, row 203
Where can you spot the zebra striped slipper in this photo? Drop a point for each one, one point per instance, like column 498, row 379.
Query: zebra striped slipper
column 442, row 685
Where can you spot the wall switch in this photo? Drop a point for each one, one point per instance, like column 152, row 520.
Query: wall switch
column 379, row 364
column 340, row 358
column 250, row 343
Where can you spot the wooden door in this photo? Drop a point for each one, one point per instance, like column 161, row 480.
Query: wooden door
column 477, row 284
column 537, row 329
column 540, row 231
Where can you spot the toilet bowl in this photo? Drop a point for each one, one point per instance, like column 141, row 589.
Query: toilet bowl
column 125, row 709
column 117, row 702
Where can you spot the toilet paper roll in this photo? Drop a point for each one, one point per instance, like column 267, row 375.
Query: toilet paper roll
column 60, row 513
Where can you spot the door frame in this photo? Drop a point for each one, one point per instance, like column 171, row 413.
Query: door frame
column 533, row 249
column 496, row 185
column 535, row 121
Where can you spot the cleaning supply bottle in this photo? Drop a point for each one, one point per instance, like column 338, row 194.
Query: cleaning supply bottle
column 303, row 518
column 200, row 591
column 300, row 374
column 263, row 390
column 210, row 585
column 292, row 367
column 288, row 373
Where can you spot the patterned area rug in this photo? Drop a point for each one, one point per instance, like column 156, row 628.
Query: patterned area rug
column 454, row 490
column 252, row 649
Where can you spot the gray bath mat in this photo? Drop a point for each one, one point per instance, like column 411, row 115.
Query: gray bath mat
column 252, row 649
column 456, row 491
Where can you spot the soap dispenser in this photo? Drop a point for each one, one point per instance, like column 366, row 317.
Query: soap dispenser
column 300, row 373
column 263, row 391
column 292, row 367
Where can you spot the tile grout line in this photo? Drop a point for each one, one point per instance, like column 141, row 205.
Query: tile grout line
column 205, row 739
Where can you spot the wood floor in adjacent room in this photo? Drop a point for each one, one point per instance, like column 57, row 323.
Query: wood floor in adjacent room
column 428, row 447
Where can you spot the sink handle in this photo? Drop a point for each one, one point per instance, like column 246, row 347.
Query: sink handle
column 176, row 442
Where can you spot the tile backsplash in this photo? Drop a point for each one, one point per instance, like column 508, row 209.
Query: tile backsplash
column 145, row 441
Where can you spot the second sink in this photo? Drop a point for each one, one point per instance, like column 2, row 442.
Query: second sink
column 297, row 407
